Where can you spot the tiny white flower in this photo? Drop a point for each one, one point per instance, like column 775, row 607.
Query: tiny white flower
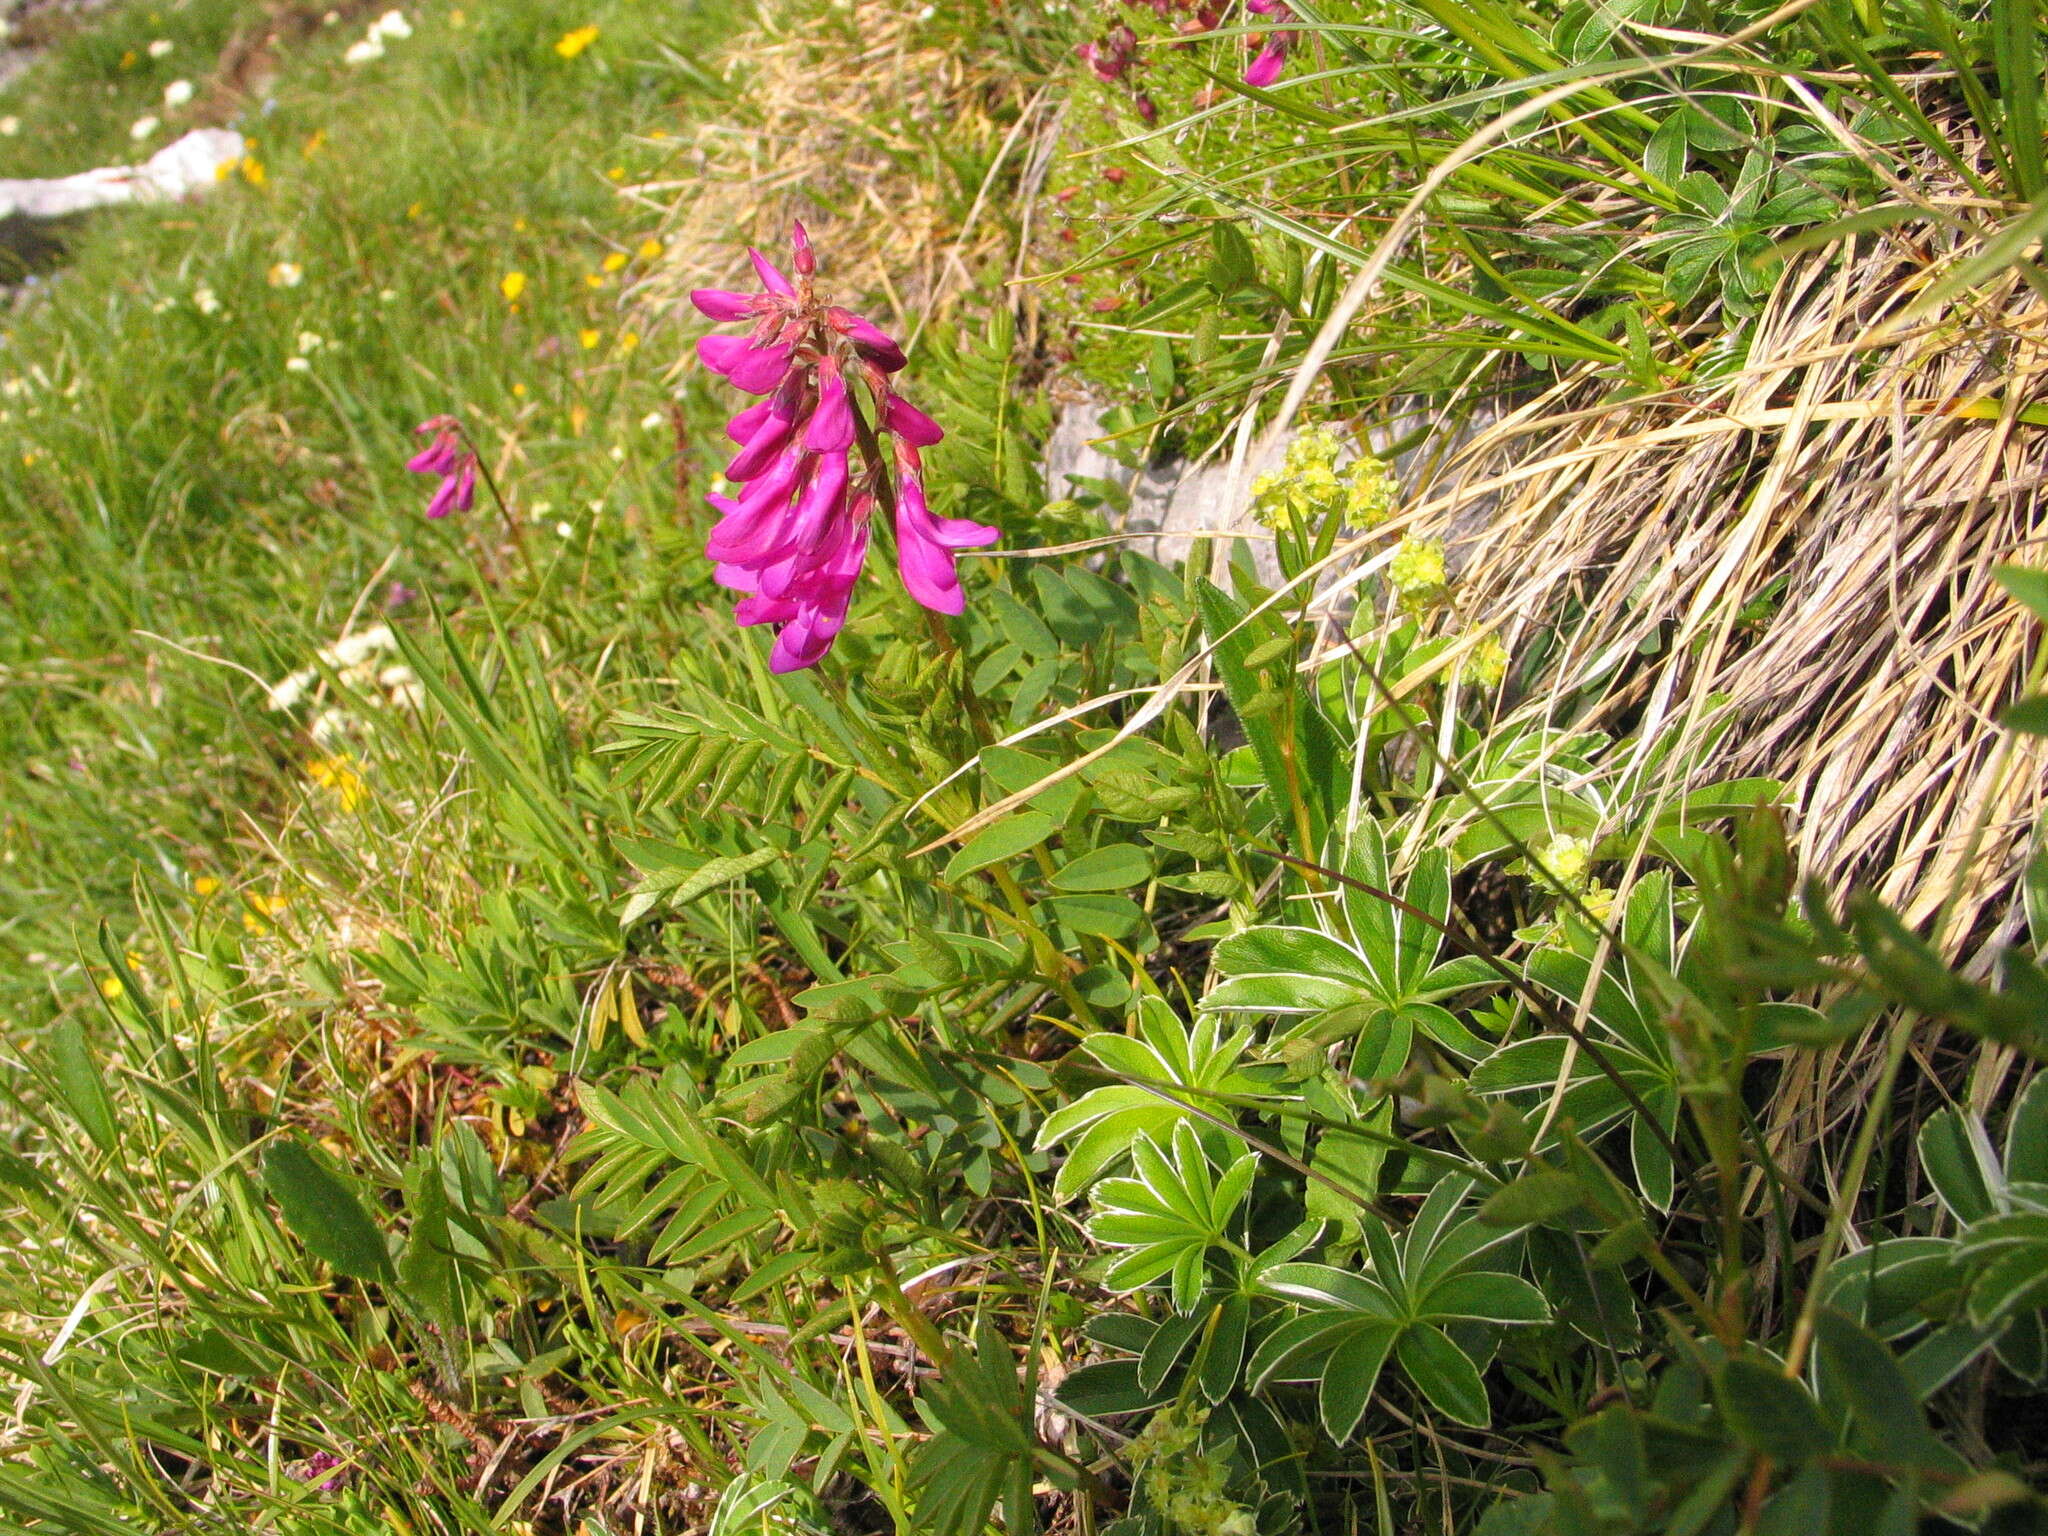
column 286, row 274
column 403, row 686
column 14, row 386
column 297, row 365
column 331, row 726
column 391, row 24
column 177, row 93
column 143, row 127
column 285, row 694
column 205, row 300
column 363, row 52
column 654, row 421
column 331, row 19
column 160, row 306
column 309, row 343
column 618, row 454
column 388, row 296
column 353, row 650
column 10, row 125
column 566, row 530
column 161, row 48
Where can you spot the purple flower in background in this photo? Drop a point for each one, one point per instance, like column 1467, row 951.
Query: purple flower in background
column 449, row 457
column 1112, row 55
column 318, row 1466
column 1272, row 58
column 811, row 469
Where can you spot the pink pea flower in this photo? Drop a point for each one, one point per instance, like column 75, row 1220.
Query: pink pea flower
column 813, row 465
column 448, row 456
column 1272, row 59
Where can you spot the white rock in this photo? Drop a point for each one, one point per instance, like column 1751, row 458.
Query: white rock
column 178, row 170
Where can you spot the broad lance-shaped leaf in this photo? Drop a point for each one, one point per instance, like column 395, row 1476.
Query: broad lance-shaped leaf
column 325, row 1214
column 1444, row 1374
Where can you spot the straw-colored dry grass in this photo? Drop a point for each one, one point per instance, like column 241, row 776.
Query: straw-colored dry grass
column 1871, row 462
column 859, row 122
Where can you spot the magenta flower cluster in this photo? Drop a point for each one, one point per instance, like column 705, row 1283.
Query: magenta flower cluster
column 1115, row 54
column 794, row 536
column 449, row 457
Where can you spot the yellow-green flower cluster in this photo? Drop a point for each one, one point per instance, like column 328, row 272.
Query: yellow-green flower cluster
column 1567, row 860
column 1371, row 493
column 1485, row 664
column 1417, row 572
column 1184, row 1480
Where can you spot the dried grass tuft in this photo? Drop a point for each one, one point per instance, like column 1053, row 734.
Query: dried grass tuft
column 845, row 119
column 1871, row 462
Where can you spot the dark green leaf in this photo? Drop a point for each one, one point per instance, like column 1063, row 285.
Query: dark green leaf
column 325, row 1214
column 1770, row 1412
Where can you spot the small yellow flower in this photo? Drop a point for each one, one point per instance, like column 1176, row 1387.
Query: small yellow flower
column 415, row 210
column 1371, row 492
column 315, row 142
column 253, row 172
column 512, row 284
column 286, row 274
column 658, row 133
column 519, row 389
column 579, row 418
column 261, row 909
column 519, row 226
column 613, row 261
column 129, row 59
column 593, row 279
column 650, row 248
column 628, row 340
column 205, row 885
column 589, row 338
column 224, row 170
column 569, row 44
column 111, row 988
column 457, row 19
column 339, row 777
column 134, row 960
column 617, row 173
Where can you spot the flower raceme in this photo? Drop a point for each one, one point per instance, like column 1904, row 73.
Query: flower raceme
column 449, row 457
column 794, row 536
